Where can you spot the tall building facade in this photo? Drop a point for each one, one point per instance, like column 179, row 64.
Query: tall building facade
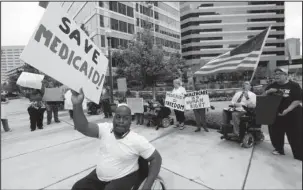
column 209, row 29
column 122, row 20
column 293, row 45
column 10, row 60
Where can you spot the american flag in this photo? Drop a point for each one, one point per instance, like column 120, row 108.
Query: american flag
column 244, row 57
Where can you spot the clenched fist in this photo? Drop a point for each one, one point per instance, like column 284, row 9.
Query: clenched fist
column 77, row 98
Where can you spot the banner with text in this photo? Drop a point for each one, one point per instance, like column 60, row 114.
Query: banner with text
column 62, row 50
column 135, row 104
column 174, row 101
column 196, row 100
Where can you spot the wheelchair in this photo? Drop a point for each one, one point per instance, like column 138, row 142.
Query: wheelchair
column 143, row 173
column 250, row 132
column 155, row 111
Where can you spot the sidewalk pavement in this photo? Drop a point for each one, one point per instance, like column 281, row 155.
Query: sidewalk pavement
column 57, row 156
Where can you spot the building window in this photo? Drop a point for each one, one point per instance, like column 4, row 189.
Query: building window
column 157, row 28
column 138, row 21
column 101, row 20
column 101, row 4
column 102, row 41
column 130, row 12
column 141, row 9
column 114, row 42
column 130, row 28
column 122, row 8
column 137, row 7
column 114, row 24
column 122, row 26
column 113, row 6
column 156, row 15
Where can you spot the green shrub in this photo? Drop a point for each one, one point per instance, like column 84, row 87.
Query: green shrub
column 213, row 118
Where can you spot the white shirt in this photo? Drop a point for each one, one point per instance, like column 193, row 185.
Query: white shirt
column 251, row 102
column 180, row 91
column 119, row 157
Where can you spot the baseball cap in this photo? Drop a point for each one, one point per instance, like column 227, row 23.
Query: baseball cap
column 282, row 70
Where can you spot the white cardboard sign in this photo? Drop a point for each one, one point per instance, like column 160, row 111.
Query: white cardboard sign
column 174, row 101
column 197, row 100
column 62, row 50
column 30, row 80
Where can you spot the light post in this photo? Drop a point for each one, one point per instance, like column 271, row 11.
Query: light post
column 150, row 6
column 108, row 31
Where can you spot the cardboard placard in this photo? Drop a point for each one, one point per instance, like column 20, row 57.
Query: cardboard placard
column 197, row 100
column 174, row 101
column 135, row 104
column 30, row 80
column 53, row 95
column 62, row 50
column 122, row 86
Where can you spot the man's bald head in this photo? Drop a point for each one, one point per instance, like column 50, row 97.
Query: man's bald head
column 125, row 110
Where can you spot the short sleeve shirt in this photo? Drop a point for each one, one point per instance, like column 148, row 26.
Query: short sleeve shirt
column 291, row 92
column 119, row 157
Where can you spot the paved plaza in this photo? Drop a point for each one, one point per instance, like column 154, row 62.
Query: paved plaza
column 58, row 156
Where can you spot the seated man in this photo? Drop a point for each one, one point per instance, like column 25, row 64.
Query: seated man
column 120, row 149
column 244, row 97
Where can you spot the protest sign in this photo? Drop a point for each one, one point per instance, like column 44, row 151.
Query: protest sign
column 196, row 100
column 30, row 80
column 135, row 104
column 62, row 50
column 174, row 101
column 122, row 86
column 53, row 95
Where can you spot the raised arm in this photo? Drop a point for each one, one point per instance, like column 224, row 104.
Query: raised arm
column 80, row 121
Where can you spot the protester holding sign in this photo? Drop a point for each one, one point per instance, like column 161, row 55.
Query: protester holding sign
column 52, row 103
column 289, row 118
column 179, row 90
column 36, row 110
column 199, row 113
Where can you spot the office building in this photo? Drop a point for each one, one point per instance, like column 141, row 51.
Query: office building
column 293, row 45
column 209, row 29
column 10, row 60
column 122, row 20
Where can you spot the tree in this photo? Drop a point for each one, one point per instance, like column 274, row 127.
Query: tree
column 145, row 62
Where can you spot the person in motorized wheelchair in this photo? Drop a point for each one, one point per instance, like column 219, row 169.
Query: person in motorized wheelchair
column 241, row 112
column 158, row 114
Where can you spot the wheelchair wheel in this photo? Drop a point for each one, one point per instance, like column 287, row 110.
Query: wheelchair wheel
column 165, row 122
column 248, row 141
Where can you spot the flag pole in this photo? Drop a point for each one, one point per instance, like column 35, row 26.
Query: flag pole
column 262, row 47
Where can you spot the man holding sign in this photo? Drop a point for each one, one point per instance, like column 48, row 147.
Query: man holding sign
column 198, row 101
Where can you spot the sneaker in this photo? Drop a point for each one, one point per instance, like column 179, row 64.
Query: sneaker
column 275, row 152
column 198, row 130
column 177, row 125
column 58, row 121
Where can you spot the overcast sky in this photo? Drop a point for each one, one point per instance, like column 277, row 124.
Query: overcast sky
column 19, row 19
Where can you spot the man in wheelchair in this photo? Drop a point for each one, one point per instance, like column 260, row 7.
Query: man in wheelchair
column 159, row 114
column 120, row 152
column 236, row 111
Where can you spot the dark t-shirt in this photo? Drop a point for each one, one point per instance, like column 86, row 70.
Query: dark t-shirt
column 291, row 91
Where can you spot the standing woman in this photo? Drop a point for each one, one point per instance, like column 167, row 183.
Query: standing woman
column 179, row 90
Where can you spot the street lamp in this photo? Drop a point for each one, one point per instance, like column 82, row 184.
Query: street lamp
column 107, row 32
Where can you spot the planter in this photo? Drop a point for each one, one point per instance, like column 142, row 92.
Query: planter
column 213, row 118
